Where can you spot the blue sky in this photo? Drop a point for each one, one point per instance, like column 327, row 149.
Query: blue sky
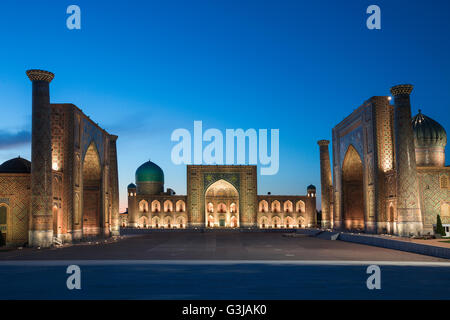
column 145, row 68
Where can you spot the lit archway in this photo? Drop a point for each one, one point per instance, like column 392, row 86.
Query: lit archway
column 181, row 222
column 210, row 223
column 56, row 207
column 288, row 206
column 263, row 206
column 263, row 222
column 301, row 222
column 276, row 206
column 233, row 222
column 276, row 222
column 353, row 190
column 300, row 206
column 180, row 206
column 221, row 205
column 222, row 208
column 168, row 222
column 155, row 222
column 289, row 222
column 210, row 207
column 4, row 222
column 92, row 178
column 168, row 206
column 143, row 206
column 156, row 206
column 143, row 222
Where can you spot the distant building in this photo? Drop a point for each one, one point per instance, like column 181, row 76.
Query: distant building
column 222, row 196
column 389, row 173
column 123, row 219
column 69, row 191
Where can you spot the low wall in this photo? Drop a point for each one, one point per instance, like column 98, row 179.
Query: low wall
column 424, row 249
column 129, row 231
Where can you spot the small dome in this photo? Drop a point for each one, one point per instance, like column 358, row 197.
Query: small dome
column 149, row 172
column 16, row 165
column 427, row 132
column 311, row 187
column 131, row 186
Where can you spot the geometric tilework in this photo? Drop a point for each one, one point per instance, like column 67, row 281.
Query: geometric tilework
column 14, row 191
column 407, row 183
column 433, row 196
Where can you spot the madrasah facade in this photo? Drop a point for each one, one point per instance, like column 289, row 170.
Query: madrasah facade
column 218, row 196
column 69, row 191
column 389, row 173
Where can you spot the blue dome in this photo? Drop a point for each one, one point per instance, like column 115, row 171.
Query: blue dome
column 131, row 186
column 149, row 172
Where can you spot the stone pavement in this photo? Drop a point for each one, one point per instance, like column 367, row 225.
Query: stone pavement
column 218, row 246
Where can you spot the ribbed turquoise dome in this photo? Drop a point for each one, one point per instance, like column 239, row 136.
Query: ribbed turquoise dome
column 427, row 132
column 149, row 172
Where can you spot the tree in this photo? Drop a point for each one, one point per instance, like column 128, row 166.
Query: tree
column 439, row 228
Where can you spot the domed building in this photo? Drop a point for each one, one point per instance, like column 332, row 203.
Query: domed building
column 16, row 165
column 430, row 140
column 389, row 173
column 221, row 196
column 149, row 179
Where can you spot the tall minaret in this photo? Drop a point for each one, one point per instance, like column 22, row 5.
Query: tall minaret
column 325, row 181
column 408, row 208
column 132, row 210
column 114, row 182
column 41, row 226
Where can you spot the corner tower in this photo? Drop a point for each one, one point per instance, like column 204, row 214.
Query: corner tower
column 408, row 208
column 41, row 231
column 132, row 205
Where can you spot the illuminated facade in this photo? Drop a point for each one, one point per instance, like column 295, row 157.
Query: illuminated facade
column 389, row 173
column 222, row 196
column 69, row 191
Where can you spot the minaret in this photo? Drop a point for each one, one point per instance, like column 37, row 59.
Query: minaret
column 408, row 208
column 41, row 226
column 115, row 223
column 132, row 205
column 325, row 181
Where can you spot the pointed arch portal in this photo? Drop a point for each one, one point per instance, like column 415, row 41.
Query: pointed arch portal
column 92, row 178
column 223, row 198
column 353, row 190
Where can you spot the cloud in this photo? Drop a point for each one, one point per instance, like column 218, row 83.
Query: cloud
column 10, row 139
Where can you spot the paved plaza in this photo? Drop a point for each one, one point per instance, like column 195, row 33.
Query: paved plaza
column 221, row 265
column 218, row 246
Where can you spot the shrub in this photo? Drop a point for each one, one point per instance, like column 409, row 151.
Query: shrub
column 439, row 228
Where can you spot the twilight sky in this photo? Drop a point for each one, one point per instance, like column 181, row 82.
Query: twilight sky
column 145, row 68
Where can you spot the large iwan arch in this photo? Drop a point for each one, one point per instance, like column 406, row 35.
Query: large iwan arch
column 92, row 185
column 353, row 190
column 223, row 198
